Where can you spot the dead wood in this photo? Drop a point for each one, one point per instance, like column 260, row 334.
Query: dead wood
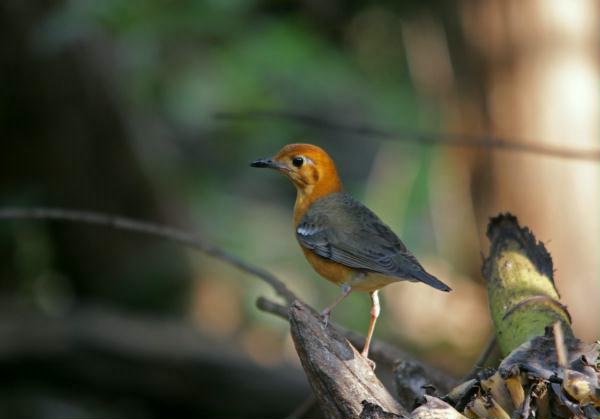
column 383, row 353
column 340, row 377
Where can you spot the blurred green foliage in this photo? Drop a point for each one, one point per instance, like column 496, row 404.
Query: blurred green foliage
column 174, row 66
column 163, row 71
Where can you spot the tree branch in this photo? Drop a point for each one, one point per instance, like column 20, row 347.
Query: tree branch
column 485, row 355
column 151, row 229
column 381, row 352
column 456, row 140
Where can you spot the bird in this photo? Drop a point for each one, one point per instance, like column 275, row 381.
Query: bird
column 342, row 239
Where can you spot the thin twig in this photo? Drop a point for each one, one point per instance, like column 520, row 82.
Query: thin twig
column 379, row 350
column 559, row 342
column 152, row 229
column 456, row 140
column 481, row 361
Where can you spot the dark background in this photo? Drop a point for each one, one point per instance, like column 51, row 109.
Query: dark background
column 118, row 106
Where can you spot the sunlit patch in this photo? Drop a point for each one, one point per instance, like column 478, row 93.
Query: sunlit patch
column 428, row 317
column 216, row 307
column 263, row 345
column 570, row 18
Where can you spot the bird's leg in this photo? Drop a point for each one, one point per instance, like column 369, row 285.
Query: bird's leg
column 346, row 289
column 375, row 309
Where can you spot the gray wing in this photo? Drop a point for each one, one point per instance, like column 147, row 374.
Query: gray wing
column 343, row 230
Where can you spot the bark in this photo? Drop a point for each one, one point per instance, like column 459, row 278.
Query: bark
column 413, row 382
column 383, row 353
column 340, row 377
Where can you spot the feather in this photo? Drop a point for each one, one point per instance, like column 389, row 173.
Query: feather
column 339, row 228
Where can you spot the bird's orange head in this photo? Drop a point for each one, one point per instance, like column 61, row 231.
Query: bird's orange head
column 309, row 168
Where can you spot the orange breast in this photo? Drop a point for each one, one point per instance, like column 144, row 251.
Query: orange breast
column 329, row 182
column 340, row 274
column 332, row 271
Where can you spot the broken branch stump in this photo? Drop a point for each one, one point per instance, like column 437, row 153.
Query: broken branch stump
column 522, row 295
column 340, row 377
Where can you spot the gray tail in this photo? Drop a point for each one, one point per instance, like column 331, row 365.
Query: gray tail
column 431, row 280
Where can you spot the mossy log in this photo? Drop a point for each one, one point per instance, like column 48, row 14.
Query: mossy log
column 522, row 295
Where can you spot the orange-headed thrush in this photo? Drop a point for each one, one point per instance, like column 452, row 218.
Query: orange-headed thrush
column 342, row 239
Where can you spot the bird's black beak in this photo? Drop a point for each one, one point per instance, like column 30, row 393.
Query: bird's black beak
column 264, row 163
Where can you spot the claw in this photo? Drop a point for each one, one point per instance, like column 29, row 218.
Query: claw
column 325, row 318
column 369, row 361
column 346, row 289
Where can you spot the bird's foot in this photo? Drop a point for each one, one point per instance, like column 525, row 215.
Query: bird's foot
column 369, row 361
column 325, row 318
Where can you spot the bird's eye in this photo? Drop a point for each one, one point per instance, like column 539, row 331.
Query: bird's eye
column 297, row 161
